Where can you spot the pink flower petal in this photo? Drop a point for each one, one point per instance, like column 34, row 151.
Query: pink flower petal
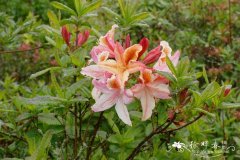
column 101, row 86
column 147, row 102
column 99, row 49
column 105, row 102
column 122, row 112
column 175, row 58
column 95, row 71
column 96, row 93
column 159, row 90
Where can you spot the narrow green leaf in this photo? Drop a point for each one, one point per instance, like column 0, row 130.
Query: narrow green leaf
column 63, row 7
column 205, row 75
column 111, row 12
column 41, row 102
column 91, row 7
column 227, row 105
column 96, row 32
column 70, row 71
column 41, row 152
column 171, row 66
column 78, row 5
column 69, row 126
column 75, row 87
column 78, row 58
column 109, row 116
column 42, row 72
column 51, row 41
column 183, row 66
column 205, row 112
column 48, row 118
column 121, row 5
column 211, row 91
column 139, row 17
column 197, row 98
column 56, row 85
column 168, row 76
column 53, row 18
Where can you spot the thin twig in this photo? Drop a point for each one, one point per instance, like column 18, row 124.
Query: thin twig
column 154, row 132
column 20, row 50
column 185, row 125
column 75, row 150
column 89, row 151
column 160, row 130
column 13, row 136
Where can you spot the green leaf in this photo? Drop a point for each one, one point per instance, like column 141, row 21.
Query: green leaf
column 24, row 116
column 56, row 85
column 43, row 72
column 53, row 18
column 78, row 5
column 227, row 105
column 117, row 138
column 63, row 7
column 183, row 66
column 51, row 41
column 75, row 87
column 40, row 101
column 109, row 116
column 111, row 12
column 197, row 98
column 48, row 118
column 70, row 71
column 65, row 60
column 205, row 75
column 169, row 76
column 171, row 66
column 69, row 127
column 91, row 7
column 33, row 139
column 205, row 112
column 78, row 58
column 121, row 5
column 139, row 17
column 41, row 151
column 211, row 91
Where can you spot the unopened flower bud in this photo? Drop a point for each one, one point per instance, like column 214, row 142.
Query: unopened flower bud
column 153, row 55
column 144, row 43
column 227, row 90
column 83, row 37
column 66, row 35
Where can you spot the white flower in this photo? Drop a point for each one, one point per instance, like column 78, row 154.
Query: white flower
column 178, row 145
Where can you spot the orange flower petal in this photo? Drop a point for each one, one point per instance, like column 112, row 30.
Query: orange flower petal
column 131, row 53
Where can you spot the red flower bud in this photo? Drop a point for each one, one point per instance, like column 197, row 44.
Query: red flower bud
column 127, row 41
column 171, row 114
column 82, row 38
column 227, row 90
column 183, row 95
column 153, row 55
column 66, row 35
column 144, row 43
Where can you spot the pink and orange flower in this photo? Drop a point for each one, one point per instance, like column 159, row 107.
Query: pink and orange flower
column 112, row 66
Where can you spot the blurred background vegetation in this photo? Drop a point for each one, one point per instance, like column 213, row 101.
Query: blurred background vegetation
column 205, row 30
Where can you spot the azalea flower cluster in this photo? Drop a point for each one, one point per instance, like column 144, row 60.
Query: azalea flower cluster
column 113, row 65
